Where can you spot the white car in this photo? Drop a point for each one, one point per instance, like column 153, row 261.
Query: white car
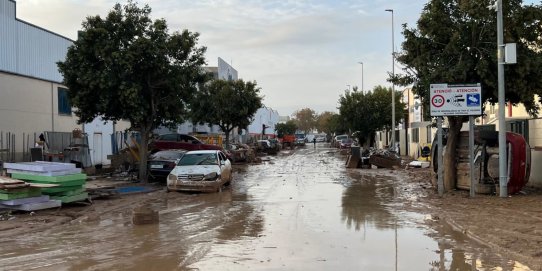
column 204, row 171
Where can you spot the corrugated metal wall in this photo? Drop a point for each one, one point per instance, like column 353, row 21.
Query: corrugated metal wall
column 29, row 50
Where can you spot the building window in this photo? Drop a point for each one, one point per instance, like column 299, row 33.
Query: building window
column 64, row 107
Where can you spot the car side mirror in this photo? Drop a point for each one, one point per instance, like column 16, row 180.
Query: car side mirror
column 222, row 162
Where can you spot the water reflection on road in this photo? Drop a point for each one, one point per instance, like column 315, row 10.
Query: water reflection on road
column 303, row 211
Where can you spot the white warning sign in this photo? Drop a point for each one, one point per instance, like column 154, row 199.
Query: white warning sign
column 455, row 100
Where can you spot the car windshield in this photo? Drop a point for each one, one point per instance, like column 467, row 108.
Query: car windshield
column 193, row 159
column 346, row 140
column 167, row 155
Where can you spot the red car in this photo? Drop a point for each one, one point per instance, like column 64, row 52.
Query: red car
column 180, row 141
column 346, row 143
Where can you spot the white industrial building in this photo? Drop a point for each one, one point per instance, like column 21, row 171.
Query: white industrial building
column 32, row 97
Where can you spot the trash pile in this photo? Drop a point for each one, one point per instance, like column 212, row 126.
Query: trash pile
column 59, row 181
column 20, row 195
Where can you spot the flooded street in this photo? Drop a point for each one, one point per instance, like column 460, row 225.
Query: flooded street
column 302, row 211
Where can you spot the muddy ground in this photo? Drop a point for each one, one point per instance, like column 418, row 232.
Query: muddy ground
column 510, row 226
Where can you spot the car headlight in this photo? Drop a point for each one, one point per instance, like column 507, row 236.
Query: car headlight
column 211, row 176
column 171, row 177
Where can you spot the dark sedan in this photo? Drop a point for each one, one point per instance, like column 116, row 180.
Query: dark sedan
column 161, row 163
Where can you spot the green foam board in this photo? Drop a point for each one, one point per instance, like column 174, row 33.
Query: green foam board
column 74, row 198
column 31, row 193
column 68, row 193
column 60, row 189
column 50, row 179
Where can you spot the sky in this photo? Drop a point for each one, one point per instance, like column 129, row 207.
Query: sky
column 301, row 53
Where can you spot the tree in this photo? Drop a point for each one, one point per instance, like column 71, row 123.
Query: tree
column 305, row 119
column 287, row 128
column 455, row 42
column 126, row 66
column 228, row 104
column 323, row 122
column 369, row 112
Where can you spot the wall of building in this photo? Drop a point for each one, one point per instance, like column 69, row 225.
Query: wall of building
column 535, row 141
column 27, row 49
column 30, row 82
column 266, row 116
column 31, row 105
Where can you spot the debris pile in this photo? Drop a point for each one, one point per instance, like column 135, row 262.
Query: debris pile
column 63, row 181
column 20, row 195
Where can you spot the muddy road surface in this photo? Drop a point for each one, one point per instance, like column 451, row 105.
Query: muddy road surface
column 300, row 210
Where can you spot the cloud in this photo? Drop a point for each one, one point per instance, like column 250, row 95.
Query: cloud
column 302, row 53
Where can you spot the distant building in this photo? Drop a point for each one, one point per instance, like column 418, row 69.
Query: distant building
column 264, row 116
column 223, row 71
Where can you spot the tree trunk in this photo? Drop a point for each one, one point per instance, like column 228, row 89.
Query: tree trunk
column 450, row 171
column 143, row 155
column 227, row 139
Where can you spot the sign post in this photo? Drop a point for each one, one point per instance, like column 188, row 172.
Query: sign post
column 455, row 100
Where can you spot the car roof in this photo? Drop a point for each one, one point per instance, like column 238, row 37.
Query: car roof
column 202, row 152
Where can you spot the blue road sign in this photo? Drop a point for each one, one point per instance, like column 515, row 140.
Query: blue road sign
column 473, row 99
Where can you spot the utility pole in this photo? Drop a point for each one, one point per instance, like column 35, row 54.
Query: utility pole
column 503, row 175
column 392, row 143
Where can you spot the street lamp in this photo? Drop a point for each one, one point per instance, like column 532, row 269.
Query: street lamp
column 361, row 76
column 392, row 143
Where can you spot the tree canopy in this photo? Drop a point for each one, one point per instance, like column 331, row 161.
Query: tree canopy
column 127, row 66
column 228, row 104
column 455, row 42
column 287, row 128
column 324, row 122
column 366, row 113
column 305, row 119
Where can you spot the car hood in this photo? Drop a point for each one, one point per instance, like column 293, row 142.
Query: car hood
column 198, row 169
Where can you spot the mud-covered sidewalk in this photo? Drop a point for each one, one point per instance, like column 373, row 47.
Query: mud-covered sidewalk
column 509, row 226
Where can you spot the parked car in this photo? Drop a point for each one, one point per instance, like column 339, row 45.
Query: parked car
column 300, row 139
column 337, row 140
column 204, row 171
column 346, row 143
column 180, row 141
column 320, row 139
column 161, row 163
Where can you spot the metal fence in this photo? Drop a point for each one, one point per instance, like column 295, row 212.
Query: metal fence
column 16, row 147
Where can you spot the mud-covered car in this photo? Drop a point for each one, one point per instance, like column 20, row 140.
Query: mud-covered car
column 161, row 163
column 203, row 171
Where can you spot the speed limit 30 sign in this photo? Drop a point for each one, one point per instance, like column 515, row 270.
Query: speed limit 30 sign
column 455, row 100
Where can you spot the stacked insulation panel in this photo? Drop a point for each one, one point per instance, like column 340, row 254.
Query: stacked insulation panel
column 69, row 181
column 20, row 195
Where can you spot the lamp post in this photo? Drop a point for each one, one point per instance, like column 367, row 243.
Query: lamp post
column 361, row 76
column 392, row 143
